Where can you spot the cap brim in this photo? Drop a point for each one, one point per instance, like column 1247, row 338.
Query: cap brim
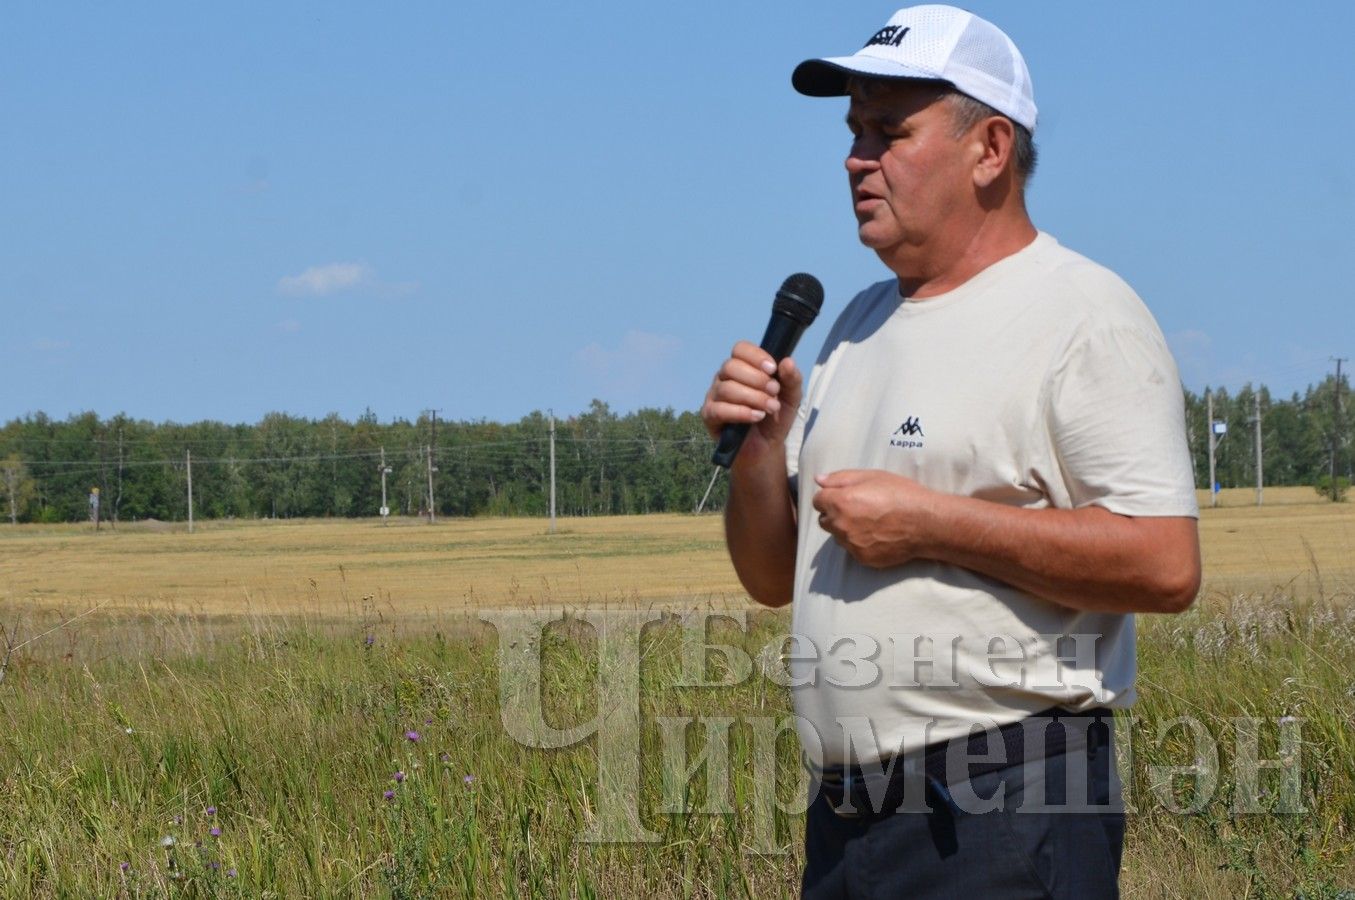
column 828, row 77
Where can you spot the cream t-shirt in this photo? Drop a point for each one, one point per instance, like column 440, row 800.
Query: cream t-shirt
column 1041, row 382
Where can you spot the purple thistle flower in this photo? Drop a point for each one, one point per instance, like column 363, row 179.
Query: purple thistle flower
column 469, row 779
column 398, row 777
column 368, row 641
column 124, row 866
column 446, row 757
column 214, row 865
column 230, row 873
column 389, row 795
column 215, row 832
column 412, row 736
column 211, row 810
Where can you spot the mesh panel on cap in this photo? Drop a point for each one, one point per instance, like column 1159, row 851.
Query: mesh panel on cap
column 984, row 48
column 986, row 65
column 932, row 34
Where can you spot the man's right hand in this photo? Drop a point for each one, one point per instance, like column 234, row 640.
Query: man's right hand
column 750, row 388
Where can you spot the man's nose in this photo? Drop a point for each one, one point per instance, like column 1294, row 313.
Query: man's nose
column 859, row 164
column 864, row 155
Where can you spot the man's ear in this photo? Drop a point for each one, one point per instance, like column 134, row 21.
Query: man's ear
column 997, row 136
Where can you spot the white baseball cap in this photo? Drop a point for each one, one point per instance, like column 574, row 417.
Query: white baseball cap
column 933, row 43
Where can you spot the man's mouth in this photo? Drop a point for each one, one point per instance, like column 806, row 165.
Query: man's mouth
column 861, row 192
column 864, row 199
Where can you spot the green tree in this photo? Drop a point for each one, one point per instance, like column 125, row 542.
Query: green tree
column 18, row 484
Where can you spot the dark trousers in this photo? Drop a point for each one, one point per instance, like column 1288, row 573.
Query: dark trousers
column 1047, row 852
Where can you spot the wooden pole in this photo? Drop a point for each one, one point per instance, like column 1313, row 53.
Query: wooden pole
column 1213, row 494
column 189, row 458
column 552, row 471
column 1256, row 417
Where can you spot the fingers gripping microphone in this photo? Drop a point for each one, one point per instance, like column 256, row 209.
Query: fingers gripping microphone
column 796, row 304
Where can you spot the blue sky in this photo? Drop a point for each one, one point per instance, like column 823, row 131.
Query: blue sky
column 221, row 210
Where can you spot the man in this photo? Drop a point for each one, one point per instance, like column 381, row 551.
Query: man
column 986, row 477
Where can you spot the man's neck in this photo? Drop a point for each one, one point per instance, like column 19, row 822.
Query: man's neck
column 947, row 263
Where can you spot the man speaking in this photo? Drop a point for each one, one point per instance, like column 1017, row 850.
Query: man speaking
column 983, row 478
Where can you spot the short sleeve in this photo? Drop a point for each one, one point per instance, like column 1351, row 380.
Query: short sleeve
column 794, row 441
column 1116, row 418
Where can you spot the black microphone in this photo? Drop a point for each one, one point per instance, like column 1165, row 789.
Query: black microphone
column 796, row 304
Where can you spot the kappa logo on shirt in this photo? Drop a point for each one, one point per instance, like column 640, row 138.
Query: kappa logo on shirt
column 904, row 434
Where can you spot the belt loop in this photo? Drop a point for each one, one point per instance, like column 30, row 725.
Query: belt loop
column 939, row 788
column 846, row 809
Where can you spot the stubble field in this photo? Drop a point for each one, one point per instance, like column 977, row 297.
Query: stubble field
column 412, row 569
column 260, row 679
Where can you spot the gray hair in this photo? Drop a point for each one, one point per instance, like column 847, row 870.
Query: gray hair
column 969, row 112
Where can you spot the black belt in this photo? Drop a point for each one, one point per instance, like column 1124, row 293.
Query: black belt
column 880, row 788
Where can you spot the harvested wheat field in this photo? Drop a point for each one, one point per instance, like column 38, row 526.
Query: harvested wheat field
column 336, row 567
column 1296, row 544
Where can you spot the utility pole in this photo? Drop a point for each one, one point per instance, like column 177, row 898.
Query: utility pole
column 1335, row 425
column 1256, row 418
column 189, row 458
column 432, row 517
column 385, row 470
column 552, row 470
column 117, row 501
column 1209, row 415
column 432, row 442
column 12, row 487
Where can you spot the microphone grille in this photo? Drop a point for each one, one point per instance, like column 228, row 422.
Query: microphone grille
column 805, row 288
column 800, row 298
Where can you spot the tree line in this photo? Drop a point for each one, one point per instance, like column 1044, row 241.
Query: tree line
column 287, row 466
column 649, row 460
column 1301, row 436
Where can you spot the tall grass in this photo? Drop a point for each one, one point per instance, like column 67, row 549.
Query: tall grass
column 130, row 743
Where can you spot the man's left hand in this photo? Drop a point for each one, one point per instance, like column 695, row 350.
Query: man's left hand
column 879, row 518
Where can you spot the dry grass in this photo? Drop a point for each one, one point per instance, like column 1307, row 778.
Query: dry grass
column 412, row 569
column 409, row 568
column 124, row 726
column 1297, row 543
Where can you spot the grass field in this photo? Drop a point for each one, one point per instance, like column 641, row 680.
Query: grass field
column 261, row 678
column 413, row 569
column 410, row 568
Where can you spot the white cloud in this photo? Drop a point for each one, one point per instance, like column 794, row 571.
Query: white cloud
column 320, row 281
column 638, row 350
column 1194, row 352
column 635, row 371
column 1281, row 369
column 1191, row 338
